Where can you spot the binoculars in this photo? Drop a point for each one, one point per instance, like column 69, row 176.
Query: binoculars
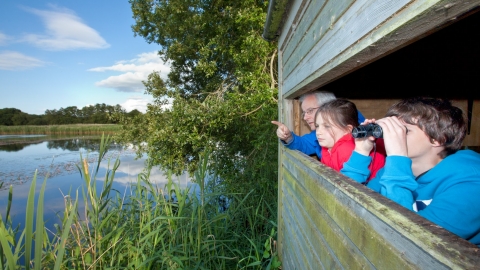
column 371, row 129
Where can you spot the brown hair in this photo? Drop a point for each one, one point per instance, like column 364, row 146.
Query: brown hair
column 339, row 112
column 438, row 118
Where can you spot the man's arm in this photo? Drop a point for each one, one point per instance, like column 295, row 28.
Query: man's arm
column 307, row 144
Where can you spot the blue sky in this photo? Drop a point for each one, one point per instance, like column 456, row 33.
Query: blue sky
column 56, row 54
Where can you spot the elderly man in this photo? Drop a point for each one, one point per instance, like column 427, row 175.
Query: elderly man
column 307, row 143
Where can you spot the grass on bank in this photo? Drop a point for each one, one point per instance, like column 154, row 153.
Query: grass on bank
column 143, row 229
column 77, row 129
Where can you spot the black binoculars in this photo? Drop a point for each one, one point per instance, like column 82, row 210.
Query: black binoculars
column 371, row 129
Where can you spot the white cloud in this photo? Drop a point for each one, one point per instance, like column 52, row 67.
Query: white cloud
column 138, row 103
column 10, row 60
column 134, row 72
column 64, row 31
column 3, row 39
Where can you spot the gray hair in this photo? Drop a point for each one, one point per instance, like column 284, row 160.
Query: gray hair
column 321, row 96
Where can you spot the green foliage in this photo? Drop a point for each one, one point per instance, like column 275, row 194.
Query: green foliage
column 78, row 129
column 7, row 114
column 220, row 96
column 144, row 228
column 93, row 114
column 16, row 250
column 220, row 93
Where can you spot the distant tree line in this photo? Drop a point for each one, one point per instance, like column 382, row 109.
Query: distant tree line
column 93, row 114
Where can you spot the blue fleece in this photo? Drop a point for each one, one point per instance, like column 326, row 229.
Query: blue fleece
column 308, row 143
column 448, row 194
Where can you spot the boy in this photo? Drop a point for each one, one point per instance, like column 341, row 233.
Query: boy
column 425, row 171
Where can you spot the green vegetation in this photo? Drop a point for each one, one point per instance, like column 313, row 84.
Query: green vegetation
column 221, row 96
column 143, row 229
column 93, row 114
column 79, row 129
column 221, row 90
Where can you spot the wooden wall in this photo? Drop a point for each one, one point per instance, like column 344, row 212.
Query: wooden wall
column 373, row 52
column 328, row 221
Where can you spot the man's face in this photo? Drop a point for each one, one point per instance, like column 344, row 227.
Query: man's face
column 309, row 108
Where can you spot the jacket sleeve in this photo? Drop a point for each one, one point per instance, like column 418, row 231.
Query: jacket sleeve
column 357, row 167
column 397, row 181
column 307, row 143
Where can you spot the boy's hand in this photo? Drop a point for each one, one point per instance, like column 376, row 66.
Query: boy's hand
column 394, row 135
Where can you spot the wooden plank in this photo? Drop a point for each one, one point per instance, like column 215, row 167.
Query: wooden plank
column 305, row 226
column 413, row 21
column 281, row 115
column 301, row 34
column 346, row 236
column 369, row 219
column 299, row 244
column 316, row 227
column 361, row 18
column 292, row 18
column 314, row 25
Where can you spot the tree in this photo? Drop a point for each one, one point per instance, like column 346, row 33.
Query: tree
column 7, row 114
column 20, row 119
column 222, row 83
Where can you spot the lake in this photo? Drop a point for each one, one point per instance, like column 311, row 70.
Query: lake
column 56, row 159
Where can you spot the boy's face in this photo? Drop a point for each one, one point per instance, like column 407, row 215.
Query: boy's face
column 418, row 143
column 327, row 134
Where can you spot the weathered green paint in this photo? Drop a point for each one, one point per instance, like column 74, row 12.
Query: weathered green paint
column 326, row 220
column 318, row 19
column 332, row 221
column 341, row 229
column 276, row 11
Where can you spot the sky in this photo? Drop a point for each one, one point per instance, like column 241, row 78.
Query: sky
column 57, row 54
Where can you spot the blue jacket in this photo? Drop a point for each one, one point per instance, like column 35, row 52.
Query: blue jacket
column 308, row 143
column 448, row 194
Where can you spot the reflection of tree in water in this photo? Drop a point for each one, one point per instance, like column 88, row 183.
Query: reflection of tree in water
column 60, row 166
column 13, row 147
column 77, row 144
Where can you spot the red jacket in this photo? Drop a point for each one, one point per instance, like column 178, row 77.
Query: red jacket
column 342, row 150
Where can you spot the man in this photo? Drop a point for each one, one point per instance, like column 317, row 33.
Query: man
column 307, row 143
column 425, row 171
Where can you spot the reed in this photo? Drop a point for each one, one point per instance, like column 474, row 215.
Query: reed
column 144, row 228
column 77, row 129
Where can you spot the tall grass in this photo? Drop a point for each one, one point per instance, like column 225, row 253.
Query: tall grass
column 77, row 129
column 144, row 228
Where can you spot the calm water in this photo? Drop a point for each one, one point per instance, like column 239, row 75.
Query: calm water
column 57, row 159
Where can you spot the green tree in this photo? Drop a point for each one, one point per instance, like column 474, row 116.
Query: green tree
column 7, row 114
column 222, row 85
column 134, row 113
column 219, row 96
column 20, row 119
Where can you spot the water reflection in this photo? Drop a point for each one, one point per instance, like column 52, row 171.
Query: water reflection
column 10, row 143
column 56, row 161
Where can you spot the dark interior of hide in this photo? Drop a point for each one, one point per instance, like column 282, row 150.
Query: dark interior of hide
column 445, row 64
